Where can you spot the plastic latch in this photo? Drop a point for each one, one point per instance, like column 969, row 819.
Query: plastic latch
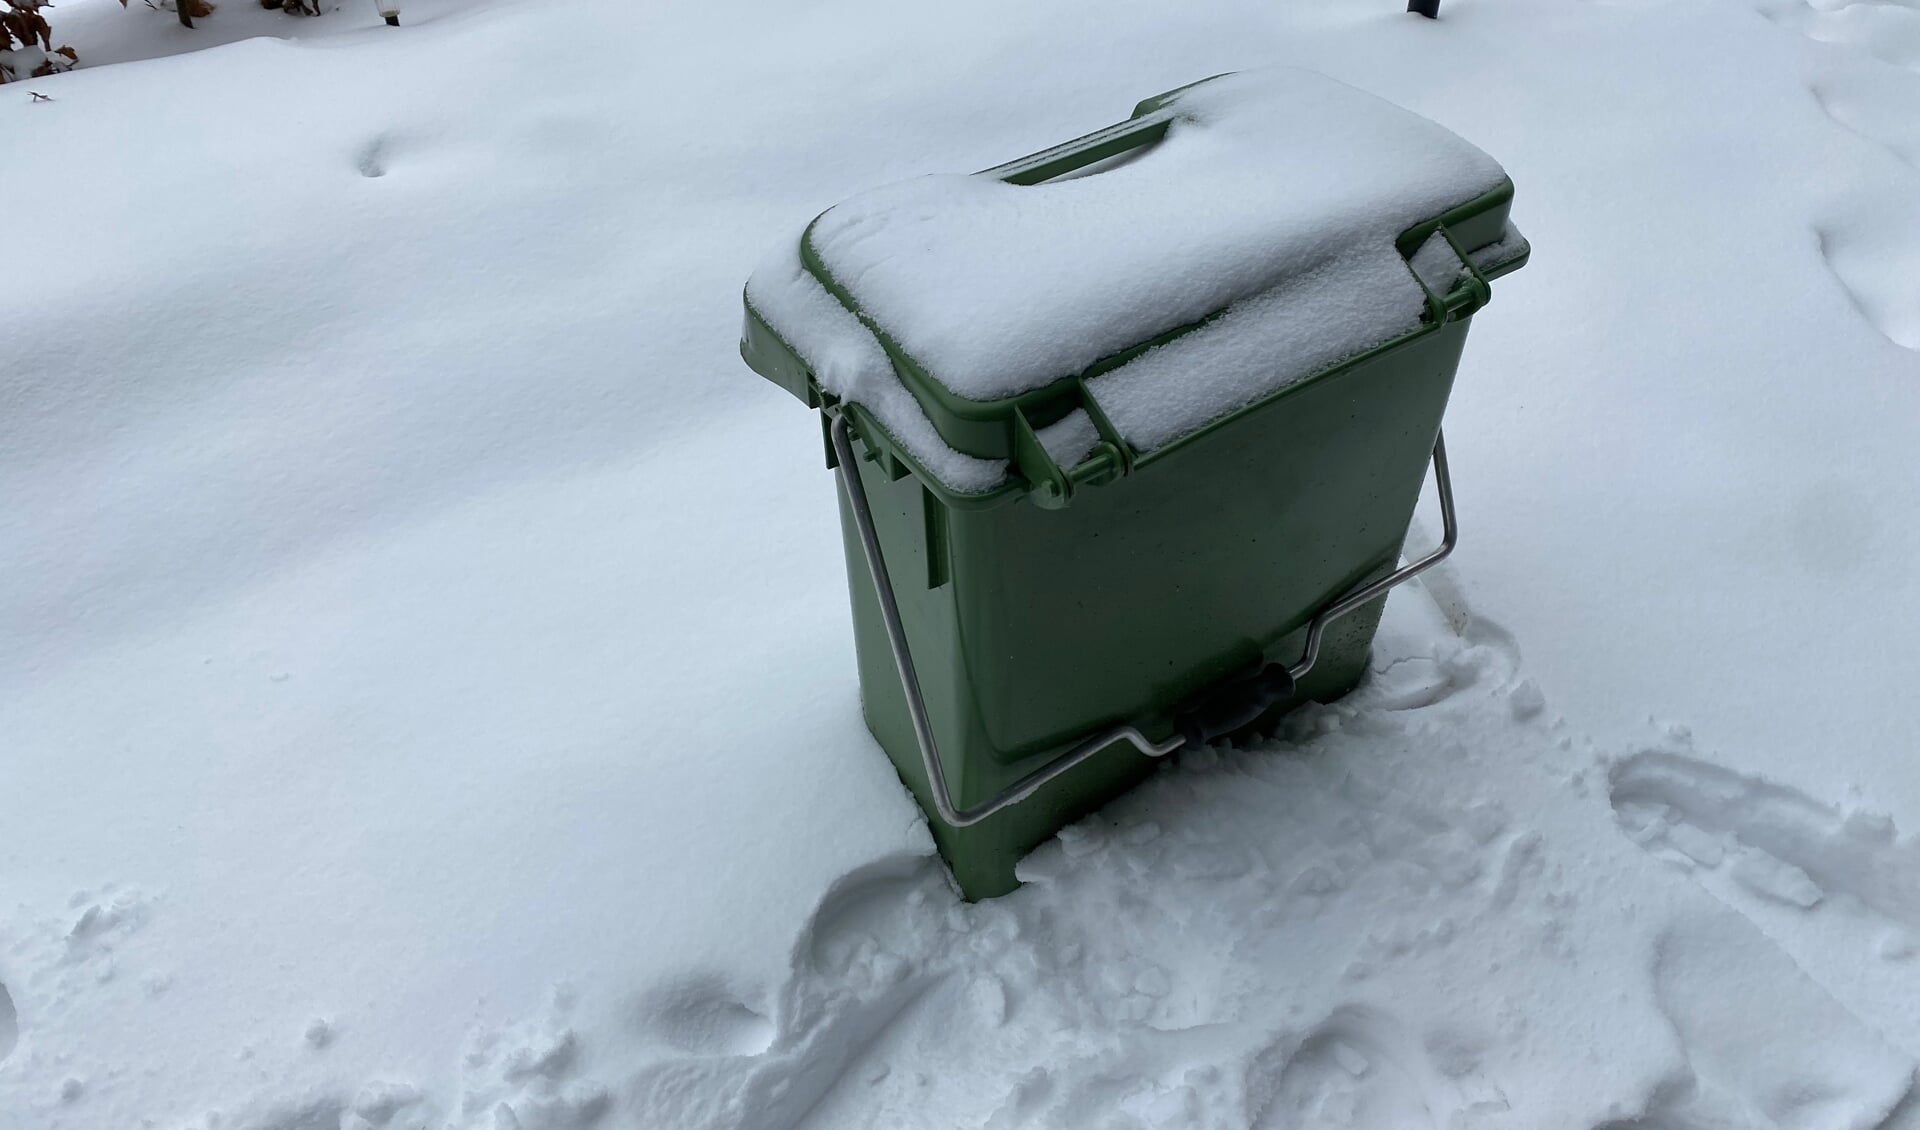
column 1101, row 466
column 1109, row 458
column 1468, row 296
column 1470, row 290
column 1052, row 489
column 1454, row 286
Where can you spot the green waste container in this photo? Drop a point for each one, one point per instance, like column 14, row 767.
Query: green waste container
column 1030, row 643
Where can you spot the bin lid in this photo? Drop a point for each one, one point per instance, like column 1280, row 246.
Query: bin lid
column 1234, row 237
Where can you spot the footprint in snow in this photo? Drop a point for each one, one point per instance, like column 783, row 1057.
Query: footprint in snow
column 1874, row 254
column 865, row 913
column 1825, row 1068
column 378, row 1106
column 9, row 1024
column 859, row 968
column 1358, row 1068
column 1755, row 844
column 1775, row 843
column 372, row 160
column 701, row 1015
column 1491, row 657
column 1878, row 104
column 1886, row 30
column 1871, row 240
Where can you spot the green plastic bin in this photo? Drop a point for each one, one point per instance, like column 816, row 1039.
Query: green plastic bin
column 1062, row 631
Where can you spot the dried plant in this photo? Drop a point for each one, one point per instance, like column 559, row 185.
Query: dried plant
column 189, row 9
column 26, row 42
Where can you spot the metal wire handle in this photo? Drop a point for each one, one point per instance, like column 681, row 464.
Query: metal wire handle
column 856, row 492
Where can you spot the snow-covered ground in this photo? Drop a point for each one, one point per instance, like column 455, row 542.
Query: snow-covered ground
column 426, row 693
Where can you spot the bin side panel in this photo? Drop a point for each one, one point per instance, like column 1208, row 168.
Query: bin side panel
column 982, row 857
column 1053, row 623
column 1142, row 593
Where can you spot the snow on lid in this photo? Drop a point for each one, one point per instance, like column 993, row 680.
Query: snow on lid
column 1283, row 335
column 848, row 362
column 1263, row 177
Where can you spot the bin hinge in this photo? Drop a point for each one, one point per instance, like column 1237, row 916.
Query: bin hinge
column 1456, row 288
column 1215, row 712
column 1053, row 486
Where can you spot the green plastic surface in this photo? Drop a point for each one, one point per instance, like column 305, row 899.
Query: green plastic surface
column 1136, row 580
